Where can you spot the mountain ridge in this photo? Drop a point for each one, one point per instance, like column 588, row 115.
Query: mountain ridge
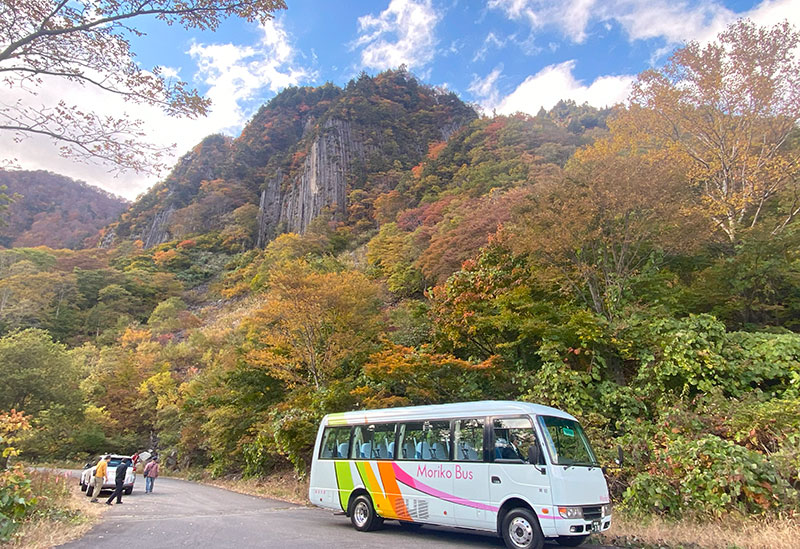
column 53, row 210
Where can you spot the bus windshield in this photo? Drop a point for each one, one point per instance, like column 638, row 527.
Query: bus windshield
column 567, row 442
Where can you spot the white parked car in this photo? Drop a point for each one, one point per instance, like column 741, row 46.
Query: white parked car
column 110, row 483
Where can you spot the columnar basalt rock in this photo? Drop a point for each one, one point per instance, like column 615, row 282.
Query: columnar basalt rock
column 269, row 210
column 158, row 233
column 322, row 183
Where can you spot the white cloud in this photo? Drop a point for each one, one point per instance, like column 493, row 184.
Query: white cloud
column 491, row 41
column 485, row 89
column 770, row 12
column 401, row 34
column 236, row 78
column 236, row 75
column 673, row 21
column 550, row 85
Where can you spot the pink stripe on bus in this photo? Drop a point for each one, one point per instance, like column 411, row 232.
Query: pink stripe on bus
column 408, row 480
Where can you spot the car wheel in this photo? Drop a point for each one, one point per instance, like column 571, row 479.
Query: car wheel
column 90, row 491
column 83, row 487
column 571, row 541
column 128, row 491
column 363, row 515
column 521, row 530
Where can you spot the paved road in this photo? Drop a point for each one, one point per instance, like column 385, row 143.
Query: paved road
column 185, row 514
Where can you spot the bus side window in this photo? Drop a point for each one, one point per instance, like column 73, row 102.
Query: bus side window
column 382, row 441
column 425, row 441
column 411, row 438
column 335, row 442
column 512, row 437
column 469, row 440
column 362, row 443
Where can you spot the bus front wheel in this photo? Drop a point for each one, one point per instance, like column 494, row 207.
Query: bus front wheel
column 363, row 515
column 521, row 530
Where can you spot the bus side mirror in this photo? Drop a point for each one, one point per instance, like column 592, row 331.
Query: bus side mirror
column 534, row 454
column 620, row 456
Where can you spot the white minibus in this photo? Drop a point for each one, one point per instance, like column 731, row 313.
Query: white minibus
column 522, row 470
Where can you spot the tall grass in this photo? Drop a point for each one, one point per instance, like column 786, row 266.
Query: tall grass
column 739, row 533
column 58, row 515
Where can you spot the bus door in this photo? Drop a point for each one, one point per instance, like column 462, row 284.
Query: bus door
column 474, row 508
column 510, row 474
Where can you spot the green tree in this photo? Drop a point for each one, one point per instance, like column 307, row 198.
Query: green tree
column 37, row 373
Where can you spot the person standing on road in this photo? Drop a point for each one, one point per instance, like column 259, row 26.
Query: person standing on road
column 122, row 468
column 99, row 478
column 150, row 475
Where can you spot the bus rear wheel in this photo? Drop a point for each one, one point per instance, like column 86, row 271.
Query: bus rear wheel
column 521, row 530
column 363, row 515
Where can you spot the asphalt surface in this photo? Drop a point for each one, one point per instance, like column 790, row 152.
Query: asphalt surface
column 185, row 514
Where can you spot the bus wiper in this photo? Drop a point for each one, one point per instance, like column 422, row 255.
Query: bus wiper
column 579, row 464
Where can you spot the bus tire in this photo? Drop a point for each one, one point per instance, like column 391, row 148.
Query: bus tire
column 90, row 491
column 521, row 530
column 571, row 541
column 363, row 515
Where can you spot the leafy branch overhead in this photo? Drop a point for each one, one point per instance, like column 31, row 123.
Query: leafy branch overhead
column 44, row 43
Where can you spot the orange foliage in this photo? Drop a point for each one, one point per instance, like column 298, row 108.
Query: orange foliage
column 435, row 149
column 162, row 257
column 132, row 337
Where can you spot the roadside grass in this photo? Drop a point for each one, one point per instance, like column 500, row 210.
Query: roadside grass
column 739, row 533
column 282, row 485
column 61, row 512
column 56, row 464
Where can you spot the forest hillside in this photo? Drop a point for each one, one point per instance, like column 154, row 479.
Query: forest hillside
column 383, row 244
column 52, row 210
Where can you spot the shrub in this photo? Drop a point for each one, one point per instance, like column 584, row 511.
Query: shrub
column 707, row 477
column 16, row 499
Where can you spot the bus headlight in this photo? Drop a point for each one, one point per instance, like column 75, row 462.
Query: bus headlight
column 571, row 512
column 606, row 509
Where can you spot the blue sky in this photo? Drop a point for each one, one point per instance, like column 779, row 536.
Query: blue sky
column 503, row 55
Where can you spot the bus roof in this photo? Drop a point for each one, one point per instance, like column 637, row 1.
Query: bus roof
column 443, row 411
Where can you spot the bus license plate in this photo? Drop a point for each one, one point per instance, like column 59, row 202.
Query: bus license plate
column 595, row 526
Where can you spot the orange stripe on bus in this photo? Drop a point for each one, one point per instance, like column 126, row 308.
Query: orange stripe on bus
column 384, row 507
column 393, row 490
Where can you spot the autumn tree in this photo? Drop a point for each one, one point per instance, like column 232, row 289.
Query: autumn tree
column 604, row 222
column 44, row 42
column 400, row 376
column 311, row 322
column 728, row 107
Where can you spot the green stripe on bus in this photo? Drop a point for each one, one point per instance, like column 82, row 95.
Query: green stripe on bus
column 364, row 478
column 337, row 419
column 344, row 482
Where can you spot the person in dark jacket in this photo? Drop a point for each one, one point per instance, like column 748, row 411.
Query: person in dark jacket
column 122, row 468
